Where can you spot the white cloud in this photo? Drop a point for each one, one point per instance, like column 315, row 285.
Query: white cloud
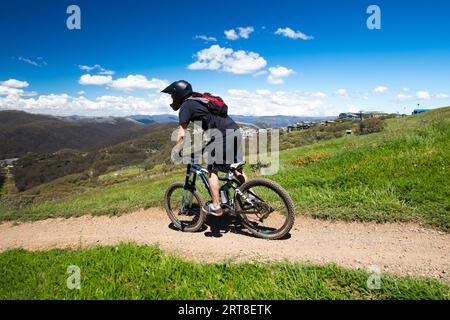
column 87, row 68
column 342, row 93
column 241, row 32
column 242, row 62
column 81, row 92
column 259, row 102
column 231, row 34
column 13, row 83
column 15, row 87
column 380, row 89
column 260, row 73
column 423, row 95
column 87, row 79
column 107, row 72
column 238, row 92
column 131, row 82
column 277, row 74
column 4, row 90
column 29, row 94
column 263, row 92
column 212, row 58
column 228, row 60
column 403, row 97
column 98, row 67
column 289, row 33
column 266, row 102
column 319, row 94
column 205, row 38
column 63, row 104
column 406, row 89
column 138, row 82
column 352, row 108
column 245, row 32
column 38, row 62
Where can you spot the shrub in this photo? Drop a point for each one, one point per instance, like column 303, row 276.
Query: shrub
column 305, row 160
column 372, row 125
column 256, row 167
column 2, row 177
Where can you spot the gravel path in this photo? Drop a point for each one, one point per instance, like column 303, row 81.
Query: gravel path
column 406, row 249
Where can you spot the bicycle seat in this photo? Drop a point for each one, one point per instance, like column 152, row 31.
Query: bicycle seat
column 237, row 166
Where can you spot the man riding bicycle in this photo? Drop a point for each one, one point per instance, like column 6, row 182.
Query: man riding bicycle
column 193, row 107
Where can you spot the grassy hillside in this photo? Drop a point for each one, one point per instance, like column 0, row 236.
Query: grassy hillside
column 22, row 132
column 150, row 148
column 399, row 174
column 136, row 272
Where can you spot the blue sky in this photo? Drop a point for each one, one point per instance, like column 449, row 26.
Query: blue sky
column 280, row 57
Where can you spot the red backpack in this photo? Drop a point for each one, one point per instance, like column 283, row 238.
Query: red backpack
column 214, row 104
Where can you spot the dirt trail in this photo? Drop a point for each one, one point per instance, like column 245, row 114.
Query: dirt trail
column 406, row 249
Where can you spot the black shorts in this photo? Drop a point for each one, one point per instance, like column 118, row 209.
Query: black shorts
column 231, row 147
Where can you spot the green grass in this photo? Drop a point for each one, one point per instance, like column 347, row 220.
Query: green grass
column 138, row 272
column 111, row 200
column 122, row 173
column 400, row 174
column 3, row 188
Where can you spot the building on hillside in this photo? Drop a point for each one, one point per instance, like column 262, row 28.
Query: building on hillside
column 375, row 114
column 300, row 126
column 248, row 132
column 362, row 115
column 418, row 111
column 8, row 162
column 327, row 123
column 348, row 115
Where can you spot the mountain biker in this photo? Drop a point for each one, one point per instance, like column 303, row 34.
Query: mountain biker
column 190, row 110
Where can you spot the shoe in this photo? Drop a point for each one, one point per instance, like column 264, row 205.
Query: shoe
column 209, row 208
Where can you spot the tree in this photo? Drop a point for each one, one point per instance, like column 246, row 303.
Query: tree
column 2, row 177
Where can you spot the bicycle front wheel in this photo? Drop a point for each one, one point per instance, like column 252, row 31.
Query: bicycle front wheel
column 266, row 209
column 184, row 208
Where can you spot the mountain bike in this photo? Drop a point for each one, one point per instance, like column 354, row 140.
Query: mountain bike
column 264, row 207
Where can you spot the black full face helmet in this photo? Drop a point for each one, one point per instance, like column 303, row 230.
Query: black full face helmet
column 179, row 90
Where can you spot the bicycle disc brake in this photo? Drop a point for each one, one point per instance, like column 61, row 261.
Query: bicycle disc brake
column 263, row 210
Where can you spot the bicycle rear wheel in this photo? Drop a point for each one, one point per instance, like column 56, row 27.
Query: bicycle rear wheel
column 184, row 208
column 271, row 214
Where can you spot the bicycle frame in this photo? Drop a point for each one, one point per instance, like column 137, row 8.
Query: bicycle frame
column 195, row 170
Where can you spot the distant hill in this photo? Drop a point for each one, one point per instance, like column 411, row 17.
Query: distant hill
column 22, row 132
column 276, row 121
column 141, row 119
column 153, row 146
column 260, row 121
column 162, row 118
